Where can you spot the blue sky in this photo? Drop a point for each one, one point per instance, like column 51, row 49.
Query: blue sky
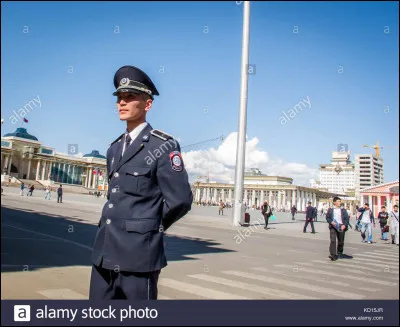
column 344, row 58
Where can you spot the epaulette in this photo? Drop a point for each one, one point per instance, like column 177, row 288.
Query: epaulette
column 119, row 137
column 161, row 134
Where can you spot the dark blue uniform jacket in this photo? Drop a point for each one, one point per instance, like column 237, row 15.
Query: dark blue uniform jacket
column 148, row 191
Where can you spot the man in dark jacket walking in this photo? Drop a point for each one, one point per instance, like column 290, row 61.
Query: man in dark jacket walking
column 338, row 220
column 293, row 211
column 266, row 212
column 59, row 193
column 310, row 215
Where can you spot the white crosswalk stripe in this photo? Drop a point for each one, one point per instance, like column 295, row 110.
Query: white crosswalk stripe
column 357, row 271
column 329, row 273
column 358, row 265
column 307, row 287
column 270, row 293
column 62, row 294
column 315, row 278
column 394, row 256
column 377, row 256
column 198, row 290
column 394, row 267
column 381, row 255
column 386, row 251
column 383, row 261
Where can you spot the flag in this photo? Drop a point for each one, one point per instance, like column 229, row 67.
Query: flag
column 25, row 120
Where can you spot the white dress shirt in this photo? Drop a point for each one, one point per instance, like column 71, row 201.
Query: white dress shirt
column 337, row 215
column 133, row 134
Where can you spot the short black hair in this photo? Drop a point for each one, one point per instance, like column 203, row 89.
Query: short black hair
column 309, row 202
column 336, row 198
column 396, row 206
column 366, row 204
column 383, row 207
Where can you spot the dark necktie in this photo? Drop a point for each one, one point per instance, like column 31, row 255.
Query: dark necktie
column 128, row 140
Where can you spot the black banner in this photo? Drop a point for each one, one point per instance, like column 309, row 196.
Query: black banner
column 200, row 313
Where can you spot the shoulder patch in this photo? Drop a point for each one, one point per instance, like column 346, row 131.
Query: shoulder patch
column 119, row 138
column 161, row 134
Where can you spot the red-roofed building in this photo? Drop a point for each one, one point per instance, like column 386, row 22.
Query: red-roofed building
column 384, row 194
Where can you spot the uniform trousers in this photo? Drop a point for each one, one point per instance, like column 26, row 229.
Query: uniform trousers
column 108, row 284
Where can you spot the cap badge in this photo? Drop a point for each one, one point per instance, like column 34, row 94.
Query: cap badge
column 124, row 81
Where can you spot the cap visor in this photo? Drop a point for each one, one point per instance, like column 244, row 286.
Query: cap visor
column 124, row 90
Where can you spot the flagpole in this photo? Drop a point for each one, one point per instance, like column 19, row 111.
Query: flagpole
column 241, row 140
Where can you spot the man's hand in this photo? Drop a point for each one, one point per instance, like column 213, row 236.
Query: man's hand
column 333, row 224
column 343, row 227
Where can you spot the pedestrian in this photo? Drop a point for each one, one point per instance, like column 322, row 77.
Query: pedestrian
column 266, row 211
column 293, row 210
column 338, row 221
column 59, row 194
column 349, row 214
column 48, row 193
column 310, row 216
column 22, row 189
column 357, row 218
column 221, row 208
column 148, row 191
column 383, row 217
column 315, row 214
column 394, row 224
column 32, row 188
column 367, row 220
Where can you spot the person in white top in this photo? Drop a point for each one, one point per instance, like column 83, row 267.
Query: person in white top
column 48, row 193
column 367, row 220
column 349, row 213
column 394, row 224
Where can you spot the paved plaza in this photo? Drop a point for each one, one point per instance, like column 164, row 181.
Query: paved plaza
column 46, row 250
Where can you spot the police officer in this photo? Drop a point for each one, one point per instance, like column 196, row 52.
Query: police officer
column 148, row 191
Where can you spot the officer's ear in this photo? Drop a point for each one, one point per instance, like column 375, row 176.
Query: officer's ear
column 148, row 102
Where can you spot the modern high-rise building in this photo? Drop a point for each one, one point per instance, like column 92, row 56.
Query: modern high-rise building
column 338, row 176
column 369, row 171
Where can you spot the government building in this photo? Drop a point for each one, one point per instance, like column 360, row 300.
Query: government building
column 24, row 157
column 279, row 191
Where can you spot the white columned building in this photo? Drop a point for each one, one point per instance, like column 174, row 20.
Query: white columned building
column 278, row 191
column 26, row 159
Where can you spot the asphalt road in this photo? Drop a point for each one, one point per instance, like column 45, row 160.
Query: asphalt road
column 46, row 250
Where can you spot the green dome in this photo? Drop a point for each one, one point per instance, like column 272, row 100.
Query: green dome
column 94, row 154
column 22, row 133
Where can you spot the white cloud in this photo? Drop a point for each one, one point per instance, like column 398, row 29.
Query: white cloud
column 221, row 163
